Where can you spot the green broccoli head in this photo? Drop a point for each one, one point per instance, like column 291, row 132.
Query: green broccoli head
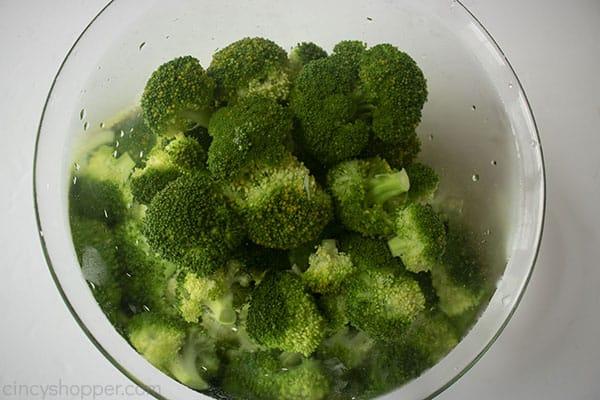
column 424, row 182
column 267, row 375
column 302, row 54
column 282, row 315
column 364, row 191
column 178, row 96
column 327, row 268
column 98, row 199
column 459, row 277
column 368, row 253
column 250, row 66
column 251, row 131
column 324, row 100
column 382, row 302
column 420, row 237
column 395, row 85
column 349, row 346
column 432, row 334
column 283, row 206
column 399, row 155
column 190, row 222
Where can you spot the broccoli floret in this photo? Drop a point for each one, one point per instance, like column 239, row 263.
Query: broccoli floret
column 190, row 222
column 398, row 155
column 132, row 136
column 197, row 294
column 283, row 206
column 178, row 96
column 95, row 247
column 390, row 365
column 459, row 279
column 364, row 191
column 282, row 315
column 368, row 253
column 302, row 54
column 182, row 352
column 432, row 334
column 267, row 375
column 333, row 308
column 333, row 127
column 350, row 346
column 327, row 268
column 424, row 182
column 382, row 302
column 420, row 237
column 395, row 86
column 250, row 131
column 250, row 66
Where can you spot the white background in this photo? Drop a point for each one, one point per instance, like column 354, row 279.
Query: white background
column 550, row 349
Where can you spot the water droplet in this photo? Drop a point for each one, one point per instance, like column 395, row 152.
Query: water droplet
column 494, row 162
column 473, row 107
column 117, row 143
column 475, row 177
column 510, row 85
column 369, row 19
column 105, row 214
column 102, row 125
column 122, row 133
column 86, row 125
column 74, row 180
column 92, row 285
column 82, row 114
column 41, row 233
column 487, row 232
column 142, row 45
column 141, row 154
column 430, row 137
column 534, row 143
column 77, row 166
column 115, row 154
column 145, row 308
column 506, row 300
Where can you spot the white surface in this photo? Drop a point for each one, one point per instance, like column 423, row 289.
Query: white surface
column 550, row 348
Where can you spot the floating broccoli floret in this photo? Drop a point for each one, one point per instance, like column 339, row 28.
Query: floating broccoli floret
column 168, row 160
column 190, row 222
column 283, row 206
column 424, row 182
column 267, row 375
column 382, row 302
column 250, row 66
column 302, row 54
column 178, row 96
column 395, row 86
column 459, row 279
column 251, row 131
column 333, row 126
column 364, row 191
column 282, row 315
column 182, row 352
column 420, row 237
column 327, row 268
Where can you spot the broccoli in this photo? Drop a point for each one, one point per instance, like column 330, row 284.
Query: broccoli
column 364, row 191
column 282, row 315
column 382, row 302
column 265, row 229
column 395, row 86
column 333, row 127
column 327, row 268
column 250, row 66
column 178, row 96
column 251, row 131
column 190, row 222
column 420, row 237
column 180, row 351
column 169, row 159
column 459, row 278
column 267, row 375
column 282, row 205
column 302, row 54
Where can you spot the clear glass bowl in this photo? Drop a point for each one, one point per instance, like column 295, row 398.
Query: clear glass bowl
column 477, row 131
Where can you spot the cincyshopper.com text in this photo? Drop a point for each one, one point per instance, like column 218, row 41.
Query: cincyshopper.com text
column 62, row 390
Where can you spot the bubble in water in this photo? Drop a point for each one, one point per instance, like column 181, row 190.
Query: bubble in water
column 473, row 107
column 534, row 143
column 86, row 125
column 41, row 233
column 369, row 19
column 494, row 162
column 141, row 46
column 475, row 177
column 506, row 300
column 510, row 85
column 430, row 137
column 82, row 114
column 74, row 180
column 102, row 125
column 77, row 166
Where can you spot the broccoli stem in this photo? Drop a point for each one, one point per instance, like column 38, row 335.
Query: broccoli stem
column 384, row 187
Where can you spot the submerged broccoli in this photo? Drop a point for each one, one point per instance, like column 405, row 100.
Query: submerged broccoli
column 178, row 96
column 327, row 268
column 282, row 315
column 420, row 237
column 267, row 375
column 364, row 191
